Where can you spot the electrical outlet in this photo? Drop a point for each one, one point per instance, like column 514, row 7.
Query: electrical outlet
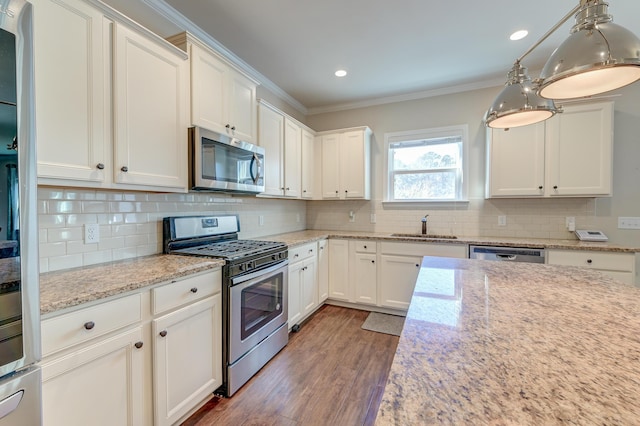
column 502, row 220
column 570, row 223
column 261, row 220
column 91, row 233
column 352, row 216
column 373, row 218
column 298, row 217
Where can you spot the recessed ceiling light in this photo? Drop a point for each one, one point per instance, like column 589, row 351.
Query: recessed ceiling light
column 518, row 35
column 341, row 73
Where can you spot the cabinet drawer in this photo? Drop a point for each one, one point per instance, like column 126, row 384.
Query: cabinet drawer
column 302, row 252
column 185, row 291
column 365, row 246
column 85, row 324
column 623, row 262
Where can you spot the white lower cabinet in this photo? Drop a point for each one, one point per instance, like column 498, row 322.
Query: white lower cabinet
column 148, row 357
column 303, row 283
column 339, row 270
column 98, row 384
column 323, row 271
column 399, row 267
column 620, row 266
column 187, row 362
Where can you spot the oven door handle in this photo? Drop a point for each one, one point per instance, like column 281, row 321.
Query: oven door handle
column 258, row 274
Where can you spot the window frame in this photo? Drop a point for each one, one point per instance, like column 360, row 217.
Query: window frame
column 462, row 188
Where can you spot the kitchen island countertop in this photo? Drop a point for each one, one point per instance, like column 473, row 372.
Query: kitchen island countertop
column 501, row 343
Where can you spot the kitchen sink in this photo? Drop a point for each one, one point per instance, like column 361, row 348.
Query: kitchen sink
column 427, row 236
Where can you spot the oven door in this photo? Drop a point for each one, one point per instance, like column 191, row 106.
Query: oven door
column 258, row 307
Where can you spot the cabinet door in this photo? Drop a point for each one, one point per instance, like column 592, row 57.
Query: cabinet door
column 330, row 168
column 353, row 166
column 308, row 164
column 516, row 161
column 208, row 90
column 271, row 138
column 365, row 278
column 295, row 284
column 242, row 107
column 71, row 67
column 150, row 136
column 187, row 362
column 100, row 384
column 398, row 276
column 309, row 288
column 579, row 150
column 292, row 158
column 339, row 270
column 323, row 271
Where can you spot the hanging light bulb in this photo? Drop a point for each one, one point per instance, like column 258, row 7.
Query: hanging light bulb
column 598, row 56
column 518, row 103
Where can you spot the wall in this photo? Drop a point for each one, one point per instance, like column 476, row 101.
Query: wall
column 539, row 218
column 131, row 222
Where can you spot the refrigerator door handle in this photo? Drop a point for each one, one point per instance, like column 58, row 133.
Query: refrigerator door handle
column 10, row 403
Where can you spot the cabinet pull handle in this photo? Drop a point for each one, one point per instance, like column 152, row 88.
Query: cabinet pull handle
column 365, row 247
column 99, row 166
column 296, row 255
column 589, row 261
column 540, row 187
column 373, row 261
column 125, row 169
column 138, row 345
column 336, row 191
column 555, row 186
column 228, row 126
column 310, row 250
column 417, row 265
column 345, row 191
column 163, row 333
column 304, row 190
column 89, row 325
column 233, row 128
column 194, row 290
column 287, row 188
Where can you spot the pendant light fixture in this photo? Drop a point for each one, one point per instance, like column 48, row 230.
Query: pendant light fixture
column 518, row 104
column 599, row 56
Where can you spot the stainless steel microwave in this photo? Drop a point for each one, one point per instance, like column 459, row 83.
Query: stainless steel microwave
column 218, row 162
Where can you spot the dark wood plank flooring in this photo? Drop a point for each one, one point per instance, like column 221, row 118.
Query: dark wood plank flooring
column 332, row 372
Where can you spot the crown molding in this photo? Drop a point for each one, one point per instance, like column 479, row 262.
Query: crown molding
column 172, row 15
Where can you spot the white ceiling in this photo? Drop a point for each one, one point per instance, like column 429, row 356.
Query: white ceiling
column 390, row 48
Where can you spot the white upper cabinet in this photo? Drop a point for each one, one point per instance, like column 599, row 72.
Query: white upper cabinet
column 150, row 112
column 288, row 154
column 88, row 64
column 579, row 151
column 71, row 75
column 569, row 155
column 308, row 164
column 346, row 164
column 222, row 98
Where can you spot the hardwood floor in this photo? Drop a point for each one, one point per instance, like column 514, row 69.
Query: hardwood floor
column 332, row 372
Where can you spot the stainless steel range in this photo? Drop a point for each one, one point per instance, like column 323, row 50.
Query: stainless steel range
column 254, row 290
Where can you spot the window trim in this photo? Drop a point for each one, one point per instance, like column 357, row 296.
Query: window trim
column 461, row 130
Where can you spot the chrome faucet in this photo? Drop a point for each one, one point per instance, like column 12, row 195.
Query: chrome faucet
column 424, row 224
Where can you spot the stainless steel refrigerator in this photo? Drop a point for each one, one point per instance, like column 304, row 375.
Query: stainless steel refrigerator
column 20, row 380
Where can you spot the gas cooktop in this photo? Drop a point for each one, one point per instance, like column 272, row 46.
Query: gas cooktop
column 233, row 249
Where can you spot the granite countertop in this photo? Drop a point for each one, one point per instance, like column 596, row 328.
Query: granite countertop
column 301, row 237
column 72, row 287
column 500, row 343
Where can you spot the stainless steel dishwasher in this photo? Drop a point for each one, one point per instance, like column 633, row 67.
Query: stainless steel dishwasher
column 507, row 254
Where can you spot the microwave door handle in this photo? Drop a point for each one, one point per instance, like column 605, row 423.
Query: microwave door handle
column 255, row 160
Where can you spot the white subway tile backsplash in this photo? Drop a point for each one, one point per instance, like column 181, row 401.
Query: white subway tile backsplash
column 57, row 263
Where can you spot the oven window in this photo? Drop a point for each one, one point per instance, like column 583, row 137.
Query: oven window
column 261, row 303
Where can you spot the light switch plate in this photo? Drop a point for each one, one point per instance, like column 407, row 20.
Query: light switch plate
column 629, row 223
column 502, row 220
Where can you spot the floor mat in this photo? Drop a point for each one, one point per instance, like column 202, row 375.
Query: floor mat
column 384, row 323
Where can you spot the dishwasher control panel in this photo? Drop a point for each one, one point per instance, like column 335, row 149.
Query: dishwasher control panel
column 507, row 254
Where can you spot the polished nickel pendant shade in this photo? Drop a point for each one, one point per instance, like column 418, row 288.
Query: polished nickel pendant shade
column 518, row 104
column 598, row 56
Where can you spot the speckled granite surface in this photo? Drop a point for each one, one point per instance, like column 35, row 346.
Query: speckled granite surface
column 301, row 237
column 494, row 343
column 65, row 289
